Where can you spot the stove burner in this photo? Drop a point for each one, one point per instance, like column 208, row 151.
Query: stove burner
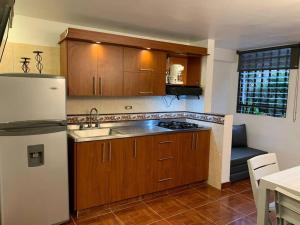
column 177, row 125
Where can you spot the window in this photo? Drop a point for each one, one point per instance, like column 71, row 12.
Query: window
column 264, row 78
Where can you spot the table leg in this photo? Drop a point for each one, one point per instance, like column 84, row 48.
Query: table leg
column 263, row 206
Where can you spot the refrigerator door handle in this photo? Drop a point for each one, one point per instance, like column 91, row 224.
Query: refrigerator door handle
column 24, row 128
column 32, row 124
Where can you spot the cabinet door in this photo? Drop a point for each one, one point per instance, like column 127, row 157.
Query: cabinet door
column 144, row 72
column 194, row 157
column 92, row 173
column 165, row 150
column 131, row 173
column 123, row 169
column 186, row 160
column 194, row 71
column 202, row 143
column 144, row 156
column 138, row 83
column 82, row 68
column 110, row 71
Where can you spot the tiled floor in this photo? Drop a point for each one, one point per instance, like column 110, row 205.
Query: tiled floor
column 193, row 206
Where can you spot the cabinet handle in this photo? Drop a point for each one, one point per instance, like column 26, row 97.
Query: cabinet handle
column 100, row 86
column 145, row 92
column 103, row 152
column 193, row 141
column 109, row 151
column 144, row 69
column 165, row 179
column 166, row 158
column 196, row 142
column 94, row 85
column 134, row 149
column 165, row 142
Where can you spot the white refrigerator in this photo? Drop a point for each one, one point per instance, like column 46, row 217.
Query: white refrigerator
column 33, row 150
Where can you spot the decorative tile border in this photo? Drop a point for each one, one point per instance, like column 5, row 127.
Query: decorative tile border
column 206, row 117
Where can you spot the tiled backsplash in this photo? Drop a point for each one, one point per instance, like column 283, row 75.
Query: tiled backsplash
column 206, row 117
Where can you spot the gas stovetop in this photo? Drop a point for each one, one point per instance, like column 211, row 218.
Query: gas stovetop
column 177, row 125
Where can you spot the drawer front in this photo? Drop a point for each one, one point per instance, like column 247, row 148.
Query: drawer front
column 166, row 151
column 166, row 146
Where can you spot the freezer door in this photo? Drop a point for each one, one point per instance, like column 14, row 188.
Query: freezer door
column 32, row 98
column 34, row 179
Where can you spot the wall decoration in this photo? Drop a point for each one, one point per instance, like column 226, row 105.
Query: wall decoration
column 39, row 59
column 25, row 64
column 205, row 117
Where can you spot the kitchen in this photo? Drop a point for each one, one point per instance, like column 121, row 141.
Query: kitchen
column 142, row 120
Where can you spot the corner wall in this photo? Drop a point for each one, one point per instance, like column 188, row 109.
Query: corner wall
column 279, row 135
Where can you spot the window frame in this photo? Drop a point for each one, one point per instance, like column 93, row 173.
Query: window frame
column 242, row 68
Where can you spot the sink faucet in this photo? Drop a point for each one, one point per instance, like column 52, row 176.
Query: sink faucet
column 91, row 114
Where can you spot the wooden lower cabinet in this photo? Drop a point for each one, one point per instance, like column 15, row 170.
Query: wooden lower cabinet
column 165, row 151
column 193, row 157
column 130, row 168
column 118, row 169
column 91, row 175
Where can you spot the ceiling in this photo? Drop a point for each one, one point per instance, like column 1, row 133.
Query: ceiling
column 235, row 24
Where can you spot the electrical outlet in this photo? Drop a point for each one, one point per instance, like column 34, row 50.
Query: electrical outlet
column 128, row 107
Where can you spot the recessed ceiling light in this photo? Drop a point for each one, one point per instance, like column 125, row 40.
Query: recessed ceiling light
column 148, row 48
column 98, row 42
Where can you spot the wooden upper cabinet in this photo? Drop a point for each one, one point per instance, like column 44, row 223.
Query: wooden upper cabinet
column 110, row 70
column 92, row 69
column 81, row 68
column 144, row 72
column 193, row 71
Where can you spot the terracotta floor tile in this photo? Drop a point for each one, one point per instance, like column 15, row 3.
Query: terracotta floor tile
column 190, row 218
column 167, row 206
column 118, row 207
column 238, row 187
column 108, row 219
column 243, row 221
column 219, row 213
column 252, row 217
column 161, row 222
column 152, row 196
column 214, row 193
column 192, row 198
column 247, row 194
column 137, row 215
column 239, row 203
column 92, row 213
column 245, row 182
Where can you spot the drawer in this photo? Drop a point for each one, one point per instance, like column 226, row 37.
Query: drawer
column 166, row 146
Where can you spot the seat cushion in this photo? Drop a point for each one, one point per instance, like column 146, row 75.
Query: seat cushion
column 239, row 136
column 240, row 155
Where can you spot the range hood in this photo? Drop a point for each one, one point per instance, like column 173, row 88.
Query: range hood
column 178, row 90
column 6, row 15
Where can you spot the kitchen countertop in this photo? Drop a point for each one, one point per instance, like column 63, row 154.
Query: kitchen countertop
column 131, row 129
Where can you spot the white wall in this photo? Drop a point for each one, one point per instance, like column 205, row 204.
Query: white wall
column 38, row 32
column 224, row 90
column 279, row 135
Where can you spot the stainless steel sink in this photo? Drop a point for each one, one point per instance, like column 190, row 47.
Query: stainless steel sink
column 93, row 132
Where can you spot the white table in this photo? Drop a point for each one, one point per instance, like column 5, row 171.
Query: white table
column 287, row 179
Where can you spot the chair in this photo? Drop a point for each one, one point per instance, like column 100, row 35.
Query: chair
column 287, row 207
column 260, row 166
column 240, row 153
